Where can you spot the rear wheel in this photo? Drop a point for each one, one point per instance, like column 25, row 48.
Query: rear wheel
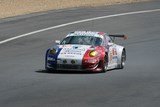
column 123, row 59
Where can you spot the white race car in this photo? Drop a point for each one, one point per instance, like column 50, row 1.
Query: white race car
column 86, row 51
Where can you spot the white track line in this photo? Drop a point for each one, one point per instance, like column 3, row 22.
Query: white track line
column 75, row 22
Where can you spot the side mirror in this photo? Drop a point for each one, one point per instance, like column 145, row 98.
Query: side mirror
column 57, row 42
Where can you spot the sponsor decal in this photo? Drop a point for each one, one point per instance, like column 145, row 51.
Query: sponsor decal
column 74, row 50
column 50, row 59
column 75, row 47
column 73, row 54
column 114, row 52
column 86, row 33
column 113, row 55
column 69, row 56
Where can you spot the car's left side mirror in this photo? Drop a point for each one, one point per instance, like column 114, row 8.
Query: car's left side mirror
column 110, row 43
column 57, row 42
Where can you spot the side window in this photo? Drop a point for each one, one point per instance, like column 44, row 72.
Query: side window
column 105, row 41
column 98, row 42
column 108, row 39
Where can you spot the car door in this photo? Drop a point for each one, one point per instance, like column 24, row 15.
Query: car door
column 112, row 52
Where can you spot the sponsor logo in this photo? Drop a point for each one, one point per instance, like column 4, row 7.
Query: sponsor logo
column 50, row 59
column 75, row 50
column 75, row 47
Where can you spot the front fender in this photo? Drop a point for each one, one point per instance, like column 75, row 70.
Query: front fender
column 46, row 58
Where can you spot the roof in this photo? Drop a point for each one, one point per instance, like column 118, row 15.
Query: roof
column 87, row 33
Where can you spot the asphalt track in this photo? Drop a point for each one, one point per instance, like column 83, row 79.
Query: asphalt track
column 24, row 82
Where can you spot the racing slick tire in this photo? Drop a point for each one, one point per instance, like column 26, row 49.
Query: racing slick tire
column 49, row 70
column 46, row 68
column 123, row 59
column 105, row 64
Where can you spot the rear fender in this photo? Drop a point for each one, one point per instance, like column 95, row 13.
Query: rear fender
column 119, row 53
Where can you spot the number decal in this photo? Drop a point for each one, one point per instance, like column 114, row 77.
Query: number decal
column 112, row 55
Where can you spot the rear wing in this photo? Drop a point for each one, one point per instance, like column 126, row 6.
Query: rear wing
column 119, row 36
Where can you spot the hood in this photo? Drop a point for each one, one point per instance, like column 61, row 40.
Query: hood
column 73, row 51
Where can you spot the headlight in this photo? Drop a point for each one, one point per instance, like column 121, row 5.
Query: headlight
column 93, row 53
column 52, row 51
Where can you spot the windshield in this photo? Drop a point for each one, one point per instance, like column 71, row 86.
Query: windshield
column 83, row 40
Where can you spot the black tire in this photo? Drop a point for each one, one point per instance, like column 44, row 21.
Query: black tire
column 49, row 70
column 105, row 64
column 46, row 68
column 123, row 59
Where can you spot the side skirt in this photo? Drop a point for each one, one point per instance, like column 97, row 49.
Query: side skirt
column 112, row 66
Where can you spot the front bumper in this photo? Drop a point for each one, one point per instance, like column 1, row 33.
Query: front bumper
column 68, row 67
column 87, row 65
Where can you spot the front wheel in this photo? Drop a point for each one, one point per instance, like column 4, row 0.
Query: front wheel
column 46, row 68
column 105, row 64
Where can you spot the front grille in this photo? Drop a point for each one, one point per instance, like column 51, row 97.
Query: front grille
column 68, row 66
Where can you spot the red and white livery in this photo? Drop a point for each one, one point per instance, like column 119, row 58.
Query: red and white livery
column 86, row 51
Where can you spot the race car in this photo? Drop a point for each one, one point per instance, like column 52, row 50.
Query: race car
column 86, row 51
